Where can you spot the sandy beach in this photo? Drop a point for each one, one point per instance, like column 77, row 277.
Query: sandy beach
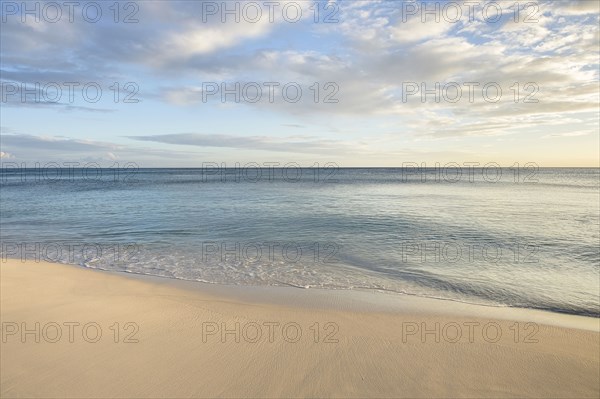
column 72, row 332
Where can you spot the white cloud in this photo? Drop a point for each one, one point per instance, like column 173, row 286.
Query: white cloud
column 575, row 7
column 414, row 30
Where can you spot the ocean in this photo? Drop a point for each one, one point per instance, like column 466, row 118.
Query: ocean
column 520, row 237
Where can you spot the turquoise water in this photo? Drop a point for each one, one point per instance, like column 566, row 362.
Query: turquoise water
column 531, row 240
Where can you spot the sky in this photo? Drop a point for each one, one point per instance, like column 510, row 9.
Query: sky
column 356, row 83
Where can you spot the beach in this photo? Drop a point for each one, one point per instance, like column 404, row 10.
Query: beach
column 108, row 334
column 300, row 199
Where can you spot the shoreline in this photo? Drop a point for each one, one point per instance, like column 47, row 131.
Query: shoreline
column 368, row 300
column 200, row 340
column 357, row 299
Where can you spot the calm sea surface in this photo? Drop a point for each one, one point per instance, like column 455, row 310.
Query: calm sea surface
column 495, row 236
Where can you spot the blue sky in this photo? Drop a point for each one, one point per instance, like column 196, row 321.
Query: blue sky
column 366, row 57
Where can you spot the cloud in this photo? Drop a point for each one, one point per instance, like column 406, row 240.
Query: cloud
column 369, row 54
column 414, row 30
column 569, row 134
column 299, row 144
column 56, row 143
column 42, row 149
column 378, row 52
column 576, row 7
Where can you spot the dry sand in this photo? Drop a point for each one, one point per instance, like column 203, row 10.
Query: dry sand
column 364, row 345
